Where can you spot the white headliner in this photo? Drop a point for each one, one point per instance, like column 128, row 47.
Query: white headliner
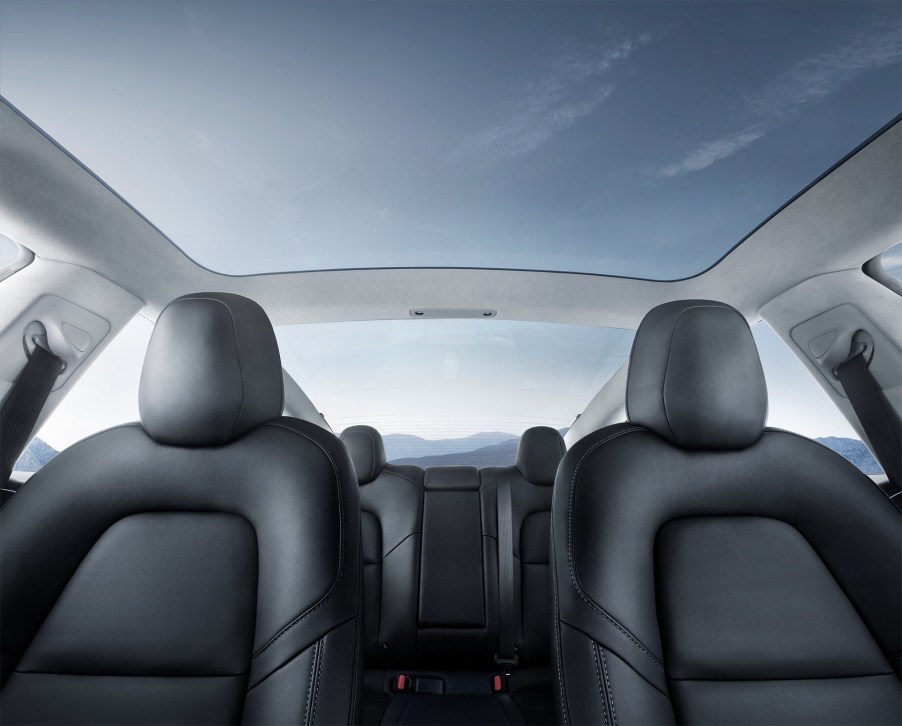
column 53, row 206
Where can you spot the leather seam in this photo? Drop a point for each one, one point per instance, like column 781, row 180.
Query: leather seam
column 341, row 555
column 573, row 576
column 297, row 655
column 130, row 675
column 604, row 704
column 319, row 672
column 773, row 430
column 386, row 470
column 556, row 612
column 310, row 683
column 607, row 682
column 891, row 674
column 385, row 556
column 620, row 656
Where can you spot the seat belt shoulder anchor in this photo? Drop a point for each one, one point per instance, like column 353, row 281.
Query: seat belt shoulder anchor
column 863, row 345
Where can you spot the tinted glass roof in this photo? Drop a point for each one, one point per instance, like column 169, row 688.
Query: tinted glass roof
column 636, row 139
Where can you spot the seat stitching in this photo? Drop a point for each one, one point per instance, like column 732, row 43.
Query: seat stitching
column 557, row 630
column 604, row 704
column 397, row 545
column 573, row 578
column 627, row 663
column 297, row 655
column 319, row 671
column 604, row 668
column 310, row 683
column 341, row 554
column 386, row 470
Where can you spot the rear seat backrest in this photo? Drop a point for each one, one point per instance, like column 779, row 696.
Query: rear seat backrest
column 391, row 504
column 538, row 455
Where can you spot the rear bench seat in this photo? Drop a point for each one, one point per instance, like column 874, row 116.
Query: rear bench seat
column 431, row 586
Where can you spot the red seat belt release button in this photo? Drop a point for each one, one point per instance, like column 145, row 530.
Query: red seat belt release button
column 499, row 684
column 402, row 683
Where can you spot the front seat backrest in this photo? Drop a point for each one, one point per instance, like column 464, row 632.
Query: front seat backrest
column 199, row 567
column 709, row 570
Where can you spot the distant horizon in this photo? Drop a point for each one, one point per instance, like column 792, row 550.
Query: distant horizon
column 501, row 453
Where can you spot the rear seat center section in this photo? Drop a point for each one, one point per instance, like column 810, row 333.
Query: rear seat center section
column 434, row 623
column 452, row 629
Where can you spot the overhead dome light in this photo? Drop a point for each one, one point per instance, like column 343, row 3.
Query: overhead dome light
column 452, row 313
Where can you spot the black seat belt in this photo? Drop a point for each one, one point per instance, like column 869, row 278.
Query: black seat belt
column 507, row 650
column 880, row 421
column 22, row 406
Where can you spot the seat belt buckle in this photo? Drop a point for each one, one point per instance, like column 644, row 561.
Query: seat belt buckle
column 499, row 683
column 402, row 683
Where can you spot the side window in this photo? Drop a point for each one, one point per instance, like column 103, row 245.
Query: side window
column 13, row 257
column 796, row 402
column 105, row 395
column 887, row 268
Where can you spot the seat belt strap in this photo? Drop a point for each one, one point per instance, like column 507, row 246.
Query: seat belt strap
column 507, row 651
column 22, row 407
column 879, row 420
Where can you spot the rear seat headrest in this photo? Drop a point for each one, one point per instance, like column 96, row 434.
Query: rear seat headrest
column 539, row 453
column 367, row 451
column 212, row 371
column 695, row 377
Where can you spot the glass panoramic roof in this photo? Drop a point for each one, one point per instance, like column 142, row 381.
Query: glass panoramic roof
column 636, row 139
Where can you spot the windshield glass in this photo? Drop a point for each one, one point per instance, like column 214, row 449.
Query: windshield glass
column 637, row 139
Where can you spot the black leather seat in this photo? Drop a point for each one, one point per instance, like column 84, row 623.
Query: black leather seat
column 200, row 567
column 709, row 570
column 431, row 584
column 391, row 519
column 539, row 453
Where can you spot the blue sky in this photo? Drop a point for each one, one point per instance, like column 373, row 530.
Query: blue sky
column 640, row 139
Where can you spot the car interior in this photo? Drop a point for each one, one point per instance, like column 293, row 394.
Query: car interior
column 585, row 413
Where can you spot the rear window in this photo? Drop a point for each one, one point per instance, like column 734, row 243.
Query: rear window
column 449, row 391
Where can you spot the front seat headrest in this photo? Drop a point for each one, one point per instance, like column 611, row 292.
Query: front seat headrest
column 367, row 451
column 212, row 371
column 695, row 377
column 540, row 451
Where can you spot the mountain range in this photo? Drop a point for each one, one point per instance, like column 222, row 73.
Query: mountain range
column 481, row 450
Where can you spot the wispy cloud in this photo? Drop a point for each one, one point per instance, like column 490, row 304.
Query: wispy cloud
column 571, row 88
column 709, row 152
column 876, row 45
